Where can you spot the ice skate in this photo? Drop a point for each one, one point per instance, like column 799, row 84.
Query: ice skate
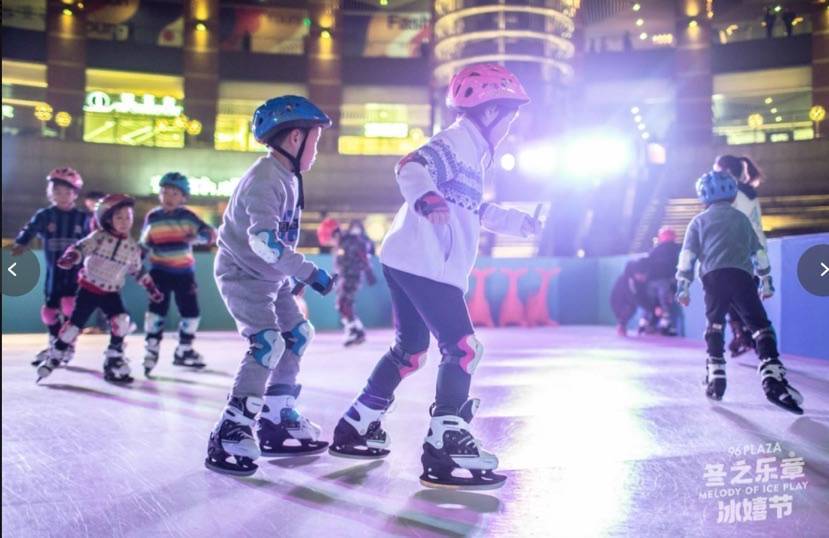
column 450, row 446
column 116, row 367
column 359, row 433
column 355, row 333
column 776, row 386
column 232, row 448
column 152, row 347
column 283, row 431
column 186, row 356
column 44, row 353
column 715, row 378
column 52, row 361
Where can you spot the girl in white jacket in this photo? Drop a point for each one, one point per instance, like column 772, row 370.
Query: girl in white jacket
column 427, row 257
column 748, row 177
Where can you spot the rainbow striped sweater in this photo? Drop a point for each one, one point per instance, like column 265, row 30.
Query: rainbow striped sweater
column 168, row 237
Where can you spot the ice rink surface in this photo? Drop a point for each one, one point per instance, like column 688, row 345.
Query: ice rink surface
column 600, row 436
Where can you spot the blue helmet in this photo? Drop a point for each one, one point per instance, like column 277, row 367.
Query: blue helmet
column 286, row 112
column 177, row 180
column 716, row 187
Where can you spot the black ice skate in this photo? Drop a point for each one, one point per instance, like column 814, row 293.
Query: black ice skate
column 52, row 361
column 715, row 378
column 359, row 433
column 185, row 355
column 283, row 431
column 116, row 367
column 355, row 333
column 776, row 386
column 232, row 447
column 450, row 446
column 152, row 347
column 741, row 340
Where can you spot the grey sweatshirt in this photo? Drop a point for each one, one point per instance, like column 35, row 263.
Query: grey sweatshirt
column 721, row 237
column 260, row 227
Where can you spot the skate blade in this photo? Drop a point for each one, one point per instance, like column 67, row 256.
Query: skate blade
column 791, row 408
column 461, row 487
column 193, row 366
column 223, row 470
column 355, row 456
column 297, row 451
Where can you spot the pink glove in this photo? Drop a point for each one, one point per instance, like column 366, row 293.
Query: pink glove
column 70, row 258
column 155, row 294
column 433, row 207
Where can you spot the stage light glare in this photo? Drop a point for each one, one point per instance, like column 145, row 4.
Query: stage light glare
column 596, row 155
column 508, row 162
column 538, row 160
column 580, row 253
column 640, row 22
column 634, row 110
column 637, row 118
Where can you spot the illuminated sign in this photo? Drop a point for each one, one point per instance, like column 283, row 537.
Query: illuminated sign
column 8, row 111
column 386, row 130
column 202, row 185
column 128, row 103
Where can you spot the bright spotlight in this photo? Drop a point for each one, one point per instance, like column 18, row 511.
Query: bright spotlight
column 537, row 160
column 597, row 155
column 508, row 162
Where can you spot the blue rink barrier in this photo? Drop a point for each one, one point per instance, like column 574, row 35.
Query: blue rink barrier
column 579, row 295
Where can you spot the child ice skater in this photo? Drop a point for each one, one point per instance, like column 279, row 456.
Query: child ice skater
column 748, row 178
column 354, row 253
column 723, row 240
column 58, row 226
column 427, row 257
column 108, row 255
column 168, row 235
column 254, row 265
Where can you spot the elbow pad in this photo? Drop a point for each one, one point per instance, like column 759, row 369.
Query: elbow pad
column 266, row 245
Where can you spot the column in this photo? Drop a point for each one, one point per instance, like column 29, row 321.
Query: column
column 66, row 62
column 694, row 80
column 324, row 54
column 201, row 66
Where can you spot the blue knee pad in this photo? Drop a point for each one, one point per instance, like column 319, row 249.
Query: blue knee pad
column 267, row 347
column 298, row 338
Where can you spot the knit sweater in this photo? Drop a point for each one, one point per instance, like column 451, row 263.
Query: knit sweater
column 450, row 164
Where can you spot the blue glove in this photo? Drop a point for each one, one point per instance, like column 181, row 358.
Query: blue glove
column 321, row 282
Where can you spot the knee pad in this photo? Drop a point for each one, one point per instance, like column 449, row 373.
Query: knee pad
column 298, row 338
column 49, row 316
column 120, row 324
column 189, row 326
column 407, row 363
column 466, row 353
column 67, row 305
column 68, row 333
column 764, row 334
column 153, row 323
column 267, row 347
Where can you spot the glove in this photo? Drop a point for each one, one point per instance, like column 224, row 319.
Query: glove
column 433, row 207
column 766, row 288
column 70, row 258
column 155, row 294
column 683, row 292
column 371, row 278
column 531, row 226
column 320, row 281
column 18, row 249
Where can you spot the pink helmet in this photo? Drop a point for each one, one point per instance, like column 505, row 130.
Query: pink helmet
column 482, row 83
column 666, row 235
column 67, row 175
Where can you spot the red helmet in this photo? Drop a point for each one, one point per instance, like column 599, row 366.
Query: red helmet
column 67, row 175
column 326, row 230
column 666, row 235
column 483, row 83
column 107, row 205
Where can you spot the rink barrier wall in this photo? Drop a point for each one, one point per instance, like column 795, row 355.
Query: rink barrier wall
column 579, row 295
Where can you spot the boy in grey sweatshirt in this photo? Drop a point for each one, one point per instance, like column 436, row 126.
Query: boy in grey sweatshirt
column 254, row 264
column 724, row 242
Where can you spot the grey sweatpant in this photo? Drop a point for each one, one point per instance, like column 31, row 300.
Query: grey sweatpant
column 257, row 305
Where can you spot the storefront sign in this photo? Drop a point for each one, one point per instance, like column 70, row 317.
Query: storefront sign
column 128, row 103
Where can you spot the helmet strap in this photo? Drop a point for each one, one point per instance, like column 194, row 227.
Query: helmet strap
column 486, row 130
column 295, row 164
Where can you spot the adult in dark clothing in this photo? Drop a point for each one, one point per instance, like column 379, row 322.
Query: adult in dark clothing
column 629, row 293
column 354, row 251
column 662, row 262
